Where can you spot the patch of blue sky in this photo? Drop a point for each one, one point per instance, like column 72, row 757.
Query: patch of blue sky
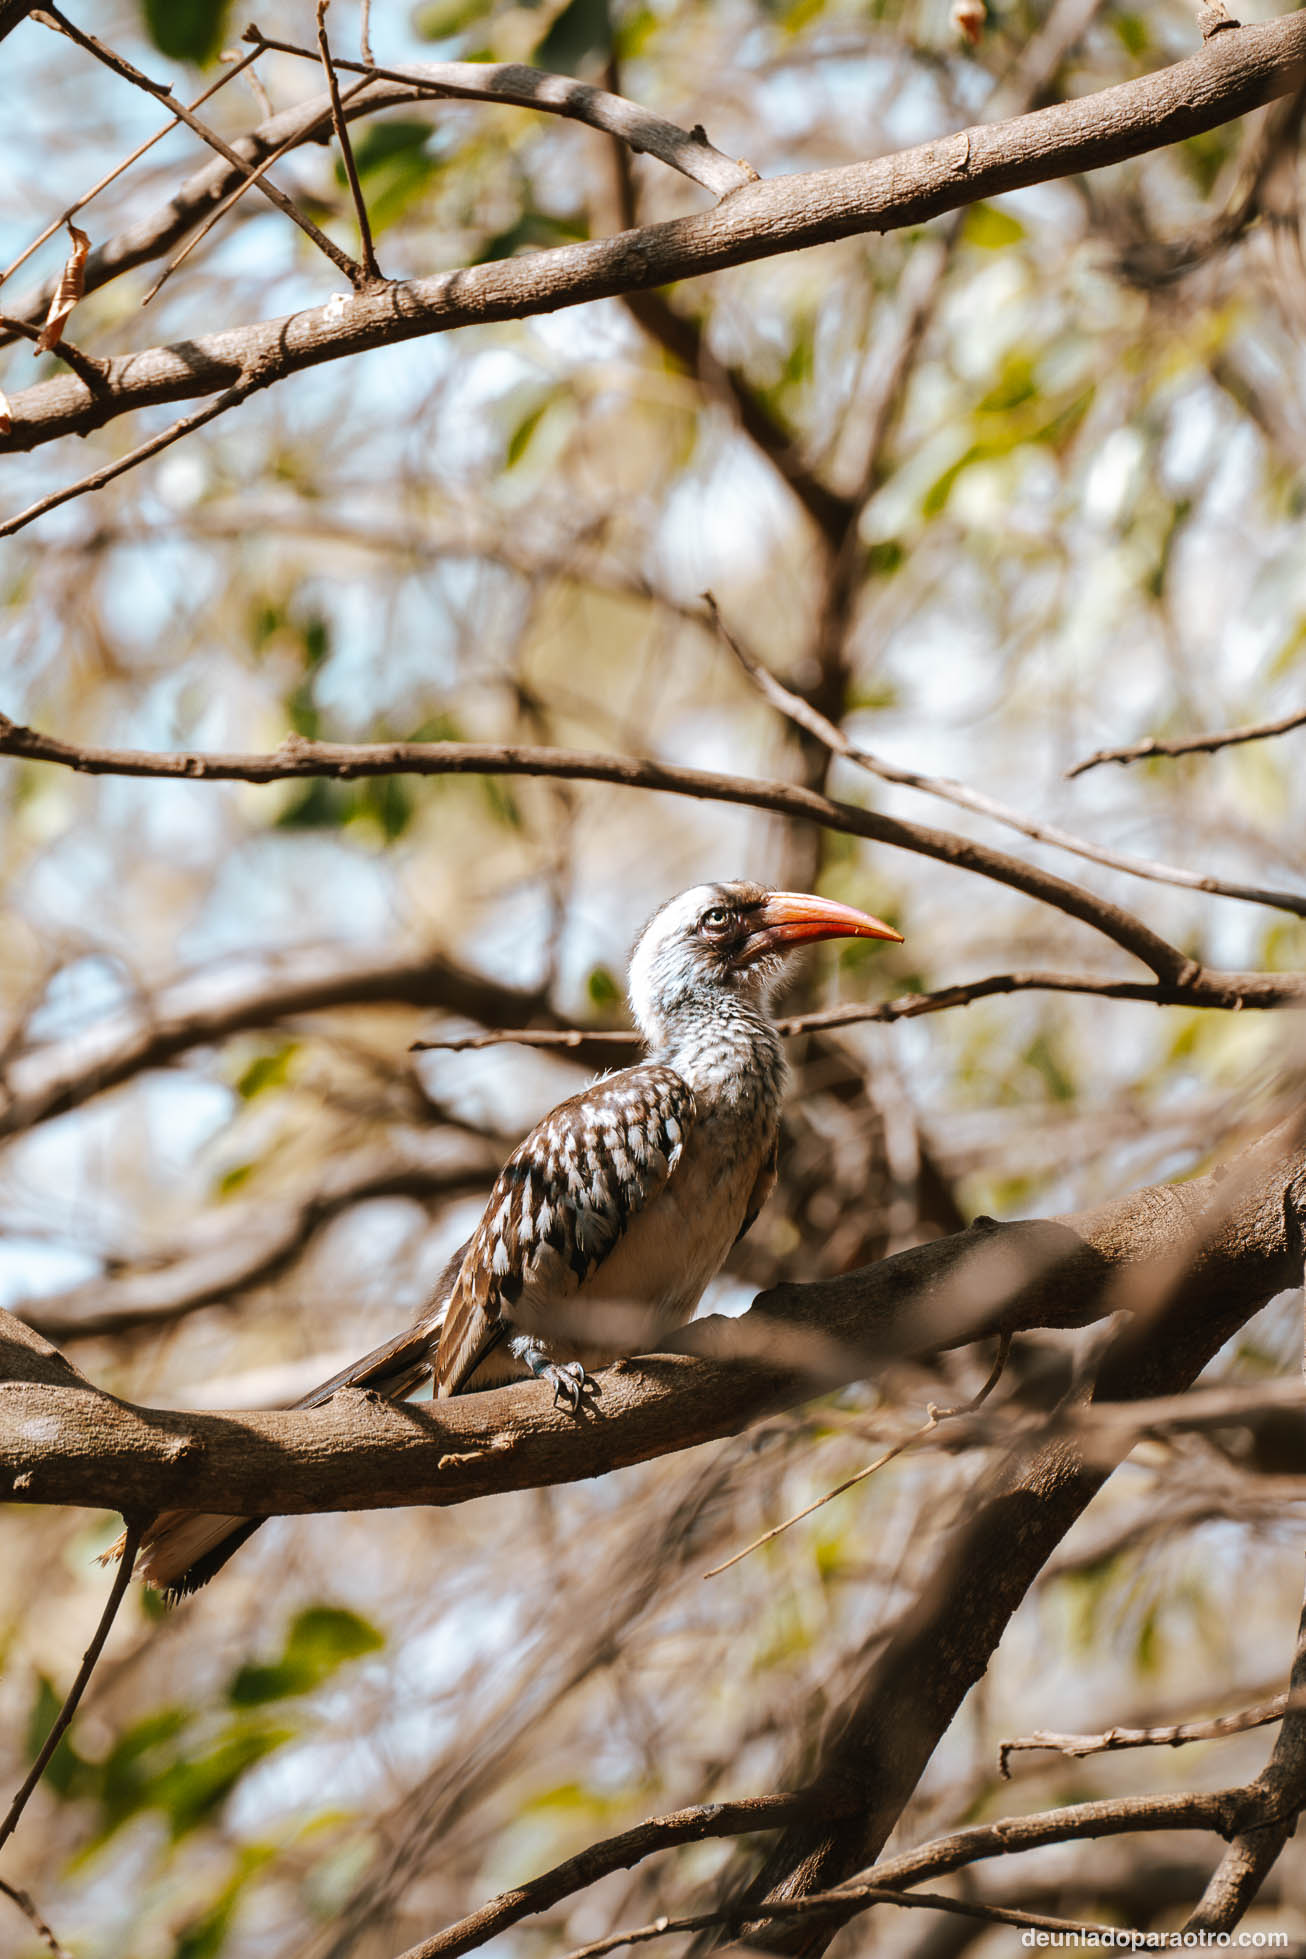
column 31, row 1268
column 283, row 889
column 724, row 519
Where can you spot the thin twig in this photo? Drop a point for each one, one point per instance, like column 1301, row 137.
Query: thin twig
column 371, row 270
column 936, row 1417
column 365, row 34
column 1234, row 993
column 99, row 477
column 1142, row 751
column 27, row 1905
column 124, row 68
column 79, row 203
column 796, row 709
column 1173, row 1736
column 122, row 1578
column 234, row 196
column 858, row 1896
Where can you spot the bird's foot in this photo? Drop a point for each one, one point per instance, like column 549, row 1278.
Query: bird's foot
column 567, row 1378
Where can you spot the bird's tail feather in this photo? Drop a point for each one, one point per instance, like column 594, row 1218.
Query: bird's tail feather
column 182, row 1549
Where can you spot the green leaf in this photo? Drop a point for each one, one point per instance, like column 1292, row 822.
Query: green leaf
column 67, row 1772
column 533, row 231
column 990, row 229
column 319, row 805
column 395, row 167
column 204, row 1935
column 935, row 500
column 440, row 20
column 503, row 804
column 1042, row 1058
column 520, row 439
column 582, row 29
column 884, row 557
column 1205, row 155
column 193, row 1787
column 388, row 802
column 602, row 988
column 321, row 1639
column 128, row 1775
column 1132, row 32
column 186, row 30
column 1014, row 386
column 266, row 1071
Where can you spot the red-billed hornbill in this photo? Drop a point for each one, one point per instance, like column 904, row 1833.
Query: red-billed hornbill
column 607, row 1223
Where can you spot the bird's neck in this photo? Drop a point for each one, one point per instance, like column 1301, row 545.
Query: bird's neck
column 724, row 1047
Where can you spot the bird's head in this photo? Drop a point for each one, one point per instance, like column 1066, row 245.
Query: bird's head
column 730, row 939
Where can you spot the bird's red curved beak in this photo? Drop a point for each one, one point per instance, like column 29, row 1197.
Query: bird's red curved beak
column 786, row 918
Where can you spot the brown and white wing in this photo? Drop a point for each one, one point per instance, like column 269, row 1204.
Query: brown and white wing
column 765, row 1184
column 561, row 1204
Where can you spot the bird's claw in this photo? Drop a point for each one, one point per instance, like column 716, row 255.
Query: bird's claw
column 570, row 1383
column 567, row 1378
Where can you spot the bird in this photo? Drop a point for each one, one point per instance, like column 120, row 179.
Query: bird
column 610, row 1219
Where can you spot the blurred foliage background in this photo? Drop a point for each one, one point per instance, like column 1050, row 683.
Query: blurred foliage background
column 993, row 493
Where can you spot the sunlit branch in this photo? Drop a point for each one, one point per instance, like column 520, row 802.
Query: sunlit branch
column 617, row 1853
column 801, row 712
column 371, row 271
column 297, row 758
column 687, row 151
column 42, row 1081
column 1144, row 751
column 1238, row 70
column 1174, row 1734
column 73, row 1444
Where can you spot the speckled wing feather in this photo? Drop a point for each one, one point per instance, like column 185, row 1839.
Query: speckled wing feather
column 561, row 1203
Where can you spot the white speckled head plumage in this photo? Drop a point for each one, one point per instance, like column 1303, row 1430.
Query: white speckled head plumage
column 719, row 941
column 672, row 961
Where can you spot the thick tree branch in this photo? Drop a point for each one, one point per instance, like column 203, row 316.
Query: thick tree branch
column 1236, row 71
column 597, row 1860
column 1079, row 1822
column 687, row 151
column 850, row 1898
column 297, row 758
column 1222, row 1244
column 912, row 1686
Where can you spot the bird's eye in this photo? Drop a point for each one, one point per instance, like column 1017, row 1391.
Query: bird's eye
column 715, row 920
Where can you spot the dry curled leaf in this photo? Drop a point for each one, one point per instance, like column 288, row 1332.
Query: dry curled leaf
column 71, row 282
